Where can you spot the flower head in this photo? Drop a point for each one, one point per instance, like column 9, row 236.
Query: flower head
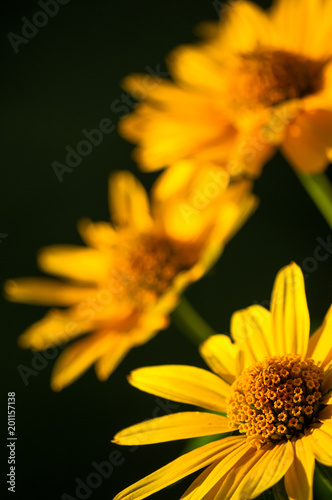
column 274, row 384
column 121, row 287
column 260, row 80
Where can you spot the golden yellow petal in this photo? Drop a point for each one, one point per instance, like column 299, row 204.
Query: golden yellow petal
column 252, row 332
column 319, row 439
column 258, row 471
column 77, row 263
column 244, row 27
column 235, row 207
column 173, row 180
column 118, row 346
column 297, row 36
column 128, row 202
column 77, row 358
column 195, row 68
column 170, row 137
column 220, row 354
column 172, row 427
column 327, row 383
column 320, row 42
column 132, row 126
column 211, row 478
column 306, row 142
column 148, row 87
column 325, row 415
column 184, row 384
column 327, row 399
column 56, row 327
column 290, row 315
column 98, row 235
column 184, row 223
column 179, row 468
column 300, row 475
column 45, row 291
column 319, row 347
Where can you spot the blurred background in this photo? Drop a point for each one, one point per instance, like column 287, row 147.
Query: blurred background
column 61, row 80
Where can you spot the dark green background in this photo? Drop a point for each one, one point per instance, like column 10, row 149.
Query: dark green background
column 62, row 81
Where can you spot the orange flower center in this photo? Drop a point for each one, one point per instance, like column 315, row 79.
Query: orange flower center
column 145, row 267
column 267, row 77
column 275, row 399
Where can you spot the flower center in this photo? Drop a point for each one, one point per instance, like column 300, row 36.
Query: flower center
column 275, row 399
column 145, row 268
column 267, row 77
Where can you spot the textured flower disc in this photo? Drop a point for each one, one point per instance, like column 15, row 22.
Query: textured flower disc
column 276, row 399
column 145, row 267
column 267, row 77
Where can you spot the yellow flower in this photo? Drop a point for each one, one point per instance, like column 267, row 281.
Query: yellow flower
column 122, row 286
column 261, row 80
column 275, row 386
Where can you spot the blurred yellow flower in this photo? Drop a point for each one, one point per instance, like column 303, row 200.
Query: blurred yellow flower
column 260, row 80
column 275, row 386
column 122, row 286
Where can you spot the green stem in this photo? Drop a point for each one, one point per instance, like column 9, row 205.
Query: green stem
column 191, row 323
column 320, row 190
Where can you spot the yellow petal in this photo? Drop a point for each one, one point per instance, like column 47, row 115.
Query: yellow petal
column 184, row 384
column 184, row 223
column 299, row 477
column 220, row 354
column 211, row 478
column 179, row 468
column 118, row 347
column 235, row 209
column 78, row 263
column 290, row 315
column 319, row 438
column 327, row 399
column 327, row 382
column 152, row 89
column 77, row 358
column 56, row 327
column 45, row 292
column 320, row 43
column 325, row 415
column 173, row 180
column 297, row 36
column 320, row 342
column 98, row 235
column 128, row 201
column 172, row 427
column 245, row 26
column 171, row 137
column 306, row 142
column 252, row 332
column 195, row 68
column 258, row 471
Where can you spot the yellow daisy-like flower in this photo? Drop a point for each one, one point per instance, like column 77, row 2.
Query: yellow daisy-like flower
column 122, row 286
column 262, row 80
column 274, row 384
